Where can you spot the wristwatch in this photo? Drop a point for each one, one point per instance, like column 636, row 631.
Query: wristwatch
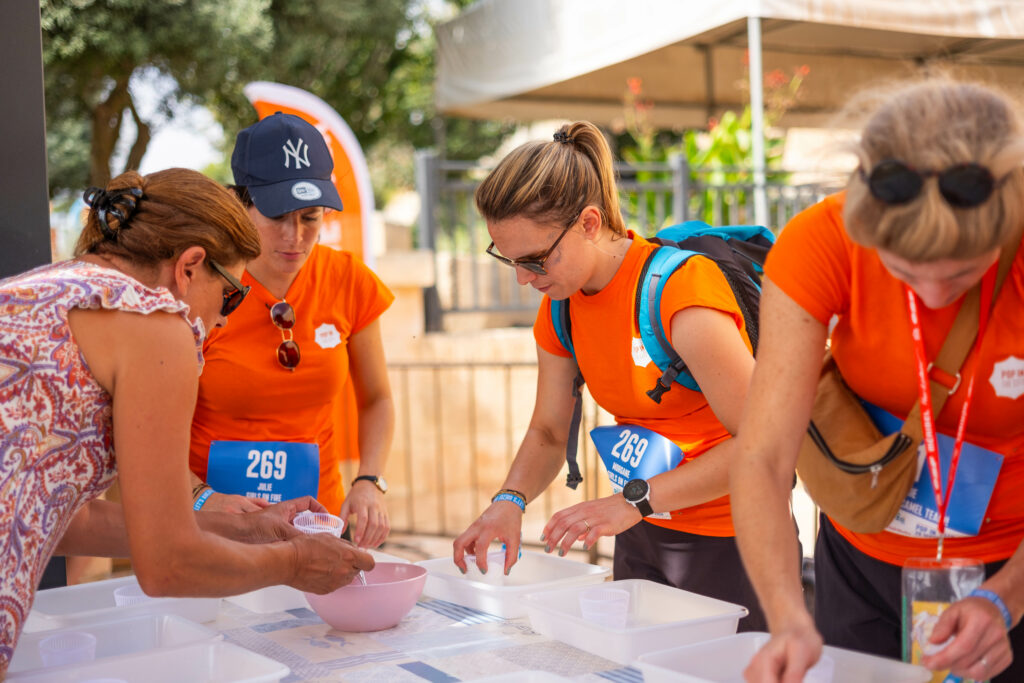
column 379, row 482
column 637, row 493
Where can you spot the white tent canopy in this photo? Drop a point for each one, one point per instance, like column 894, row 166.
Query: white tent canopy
column 571, row 59
column 543, row 59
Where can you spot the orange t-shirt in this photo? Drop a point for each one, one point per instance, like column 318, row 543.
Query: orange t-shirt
column 246, row 395
column 603, row 330
column 826, row 273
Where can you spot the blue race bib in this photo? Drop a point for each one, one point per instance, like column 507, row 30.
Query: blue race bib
column 271, row 470
column 975, row 479
column 632, row 452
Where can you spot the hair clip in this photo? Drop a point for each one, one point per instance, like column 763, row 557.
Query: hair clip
column 120, row 204
column 563, row 137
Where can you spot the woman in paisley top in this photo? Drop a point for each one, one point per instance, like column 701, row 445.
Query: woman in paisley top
column 103, row 349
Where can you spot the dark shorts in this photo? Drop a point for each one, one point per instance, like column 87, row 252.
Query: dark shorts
column 858, row 601
column 708, row 565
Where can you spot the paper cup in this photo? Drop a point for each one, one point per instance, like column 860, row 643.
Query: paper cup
column 75, row 647
column 607, row 607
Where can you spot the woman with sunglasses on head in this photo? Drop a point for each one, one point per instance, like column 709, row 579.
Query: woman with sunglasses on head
column 309, row 326
column 552, row 211
column 936, row 203
column 100, row 358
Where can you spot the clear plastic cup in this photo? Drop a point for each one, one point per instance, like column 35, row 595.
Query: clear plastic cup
column 319, row 523
column 495, row 568
column 822, row 672
column 929, row 587
column 607, row 607
column 75, row 647
column 129, row 595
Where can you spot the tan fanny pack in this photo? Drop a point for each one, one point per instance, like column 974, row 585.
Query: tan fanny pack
column 856, row 475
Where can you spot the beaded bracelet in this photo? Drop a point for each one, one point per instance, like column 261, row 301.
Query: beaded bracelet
column 511, row 496
column 202, row 499
column 995, row 600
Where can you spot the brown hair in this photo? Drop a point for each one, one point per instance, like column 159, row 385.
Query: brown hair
column 552, row 182
column 179, row 208
column 932, row 125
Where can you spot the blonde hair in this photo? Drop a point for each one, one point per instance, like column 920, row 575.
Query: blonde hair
column 552, row 182
column 930, row 126
column 178, row 208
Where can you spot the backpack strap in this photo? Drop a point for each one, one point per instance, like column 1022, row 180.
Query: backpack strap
column 563, row 329
column 660, row 264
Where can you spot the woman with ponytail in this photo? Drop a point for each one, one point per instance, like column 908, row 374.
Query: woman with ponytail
column 552, row 210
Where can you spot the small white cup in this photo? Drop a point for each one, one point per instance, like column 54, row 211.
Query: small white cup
column 495, row 568
column 129, row 595
column 319, row 523
column 607, row 607
column 75, row 647
column 822, row 672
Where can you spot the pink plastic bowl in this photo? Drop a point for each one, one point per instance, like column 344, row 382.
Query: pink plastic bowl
column 391, row 591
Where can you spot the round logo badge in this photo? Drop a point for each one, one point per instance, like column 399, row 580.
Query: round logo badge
column 306, row 192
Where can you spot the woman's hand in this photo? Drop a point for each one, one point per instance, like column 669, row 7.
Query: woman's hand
column 589, row 521
column 787, row 656
column 366, row 502
column 324, row 563
column 980, row 648
column 225, row 502
column 502, row 521
column 274, row 523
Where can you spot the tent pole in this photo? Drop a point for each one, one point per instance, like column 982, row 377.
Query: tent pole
column 757, row 118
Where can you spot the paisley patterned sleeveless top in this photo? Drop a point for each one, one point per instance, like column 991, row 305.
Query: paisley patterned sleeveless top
column 56, row 434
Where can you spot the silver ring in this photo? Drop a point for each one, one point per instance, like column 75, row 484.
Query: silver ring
column 984, row 662
column 586, row 524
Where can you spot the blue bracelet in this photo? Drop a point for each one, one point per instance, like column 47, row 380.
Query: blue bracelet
column 512, row 498
column 995, row 600
column 202, row 499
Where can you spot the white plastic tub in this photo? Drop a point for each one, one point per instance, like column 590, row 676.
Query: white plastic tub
column 502, row 595
column 93, row 602
column 659, row 617
column 270, row 599
column 119, row 637
column 724, row 659
column 208, row 662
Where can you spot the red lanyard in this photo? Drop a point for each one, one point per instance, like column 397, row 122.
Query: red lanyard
column 927, row 416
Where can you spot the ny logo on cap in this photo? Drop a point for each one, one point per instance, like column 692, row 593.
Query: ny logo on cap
column 293, row 151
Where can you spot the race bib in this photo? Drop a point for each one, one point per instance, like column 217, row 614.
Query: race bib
column 976, row 477
column 271, row 470
column 632, row 452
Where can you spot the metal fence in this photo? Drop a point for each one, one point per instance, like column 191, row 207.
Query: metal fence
column 652, row 196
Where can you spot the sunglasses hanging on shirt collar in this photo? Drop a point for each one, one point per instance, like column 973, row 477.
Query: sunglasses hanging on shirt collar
column 963, row 186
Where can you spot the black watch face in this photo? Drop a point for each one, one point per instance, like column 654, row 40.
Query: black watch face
column 634, row 490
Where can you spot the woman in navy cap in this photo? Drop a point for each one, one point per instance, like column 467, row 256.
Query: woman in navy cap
column 265, row 424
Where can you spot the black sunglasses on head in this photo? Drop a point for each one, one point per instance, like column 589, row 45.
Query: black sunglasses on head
column 534, row 265
column 962, row 185
column 234, row 298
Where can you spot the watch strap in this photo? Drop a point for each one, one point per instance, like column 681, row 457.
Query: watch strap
column 644, row 506
column 370, row 478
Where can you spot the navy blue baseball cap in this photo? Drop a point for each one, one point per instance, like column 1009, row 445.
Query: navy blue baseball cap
column 284, row 163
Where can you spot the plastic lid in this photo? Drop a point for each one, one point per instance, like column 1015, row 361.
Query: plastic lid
column 319, row 523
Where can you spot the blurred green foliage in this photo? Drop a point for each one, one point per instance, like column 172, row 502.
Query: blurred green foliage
column 372, row 60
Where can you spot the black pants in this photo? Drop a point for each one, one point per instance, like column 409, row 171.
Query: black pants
column 858, row 599
column 708, row 565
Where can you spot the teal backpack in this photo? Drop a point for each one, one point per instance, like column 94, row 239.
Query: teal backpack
column 738, row 250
